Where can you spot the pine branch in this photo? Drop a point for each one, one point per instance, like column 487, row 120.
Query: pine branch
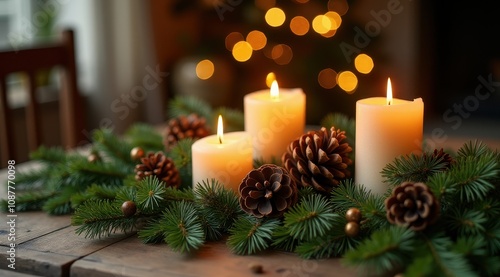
column 492, row 236
column 249, row 235
column 283, row 240
column 310, row 218
column 33, row 179
column 416, row 168
column 188, row 105
column 153, row 231
column 473, row 149
column 387, row 249
column 98, row 218
column 83, row 173
column 222, row 203
column 463, row 221
column 210, row 223
column 145, row 136
column 149, row 195
column 29, row 201
column 446, row 262
column 474, row 249
column 183, row 230
column 49, row 156
column 181, row 155
column 94, row 192
column 350, row 195
column 233, row 119
column 473, row 176
column 112, row 147
column 333, row 243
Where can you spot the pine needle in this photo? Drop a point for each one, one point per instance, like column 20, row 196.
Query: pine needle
column 384, row 251
column 183, row 230
column 150, row 193
column 310, row 218
column 182, row 105
column 250, row 235
column 222, row 203
column 98, row 218
column 145, row 136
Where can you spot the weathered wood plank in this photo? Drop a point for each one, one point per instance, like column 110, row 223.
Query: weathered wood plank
column 52, row 254
column 132, row 258
column 30, row 225
column 13, row 273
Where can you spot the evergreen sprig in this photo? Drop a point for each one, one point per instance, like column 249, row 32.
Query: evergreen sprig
column 145, row 136
column 385, row 250
column 250, row 235
column 310, row 218
column 149, row 196
column 412, row 167
column 185, row 105
column 222, row 204
column 100, row 218
column 183, row 230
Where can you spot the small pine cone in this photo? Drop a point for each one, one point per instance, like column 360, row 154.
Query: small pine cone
column 191, row 126
column 267, row 191
column 412, row 205
column 319, row 159
column 447, row 160
column 159, row 165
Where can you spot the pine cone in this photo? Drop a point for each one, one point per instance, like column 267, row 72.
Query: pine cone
column 319, row 159
column 267, row 191
column 412, row 205
column 191, row 126
column 159, row 165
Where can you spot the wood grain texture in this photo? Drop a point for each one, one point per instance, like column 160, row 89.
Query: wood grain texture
column 30, row 225
column 53, row 253
column 132, row 258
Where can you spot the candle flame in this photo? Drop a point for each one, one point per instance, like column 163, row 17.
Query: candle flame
column 275, row 91
column 220, row 130
column 389, row 92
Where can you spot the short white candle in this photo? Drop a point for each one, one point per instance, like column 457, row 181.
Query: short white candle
column 274, row 118
column 224, row 157
column 386, row 128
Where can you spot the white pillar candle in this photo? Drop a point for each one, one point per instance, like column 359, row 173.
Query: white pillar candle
column 386, row 128
column 274, row 121
column 224, row 157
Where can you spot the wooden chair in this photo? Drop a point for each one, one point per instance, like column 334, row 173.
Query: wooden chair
column 30, row 61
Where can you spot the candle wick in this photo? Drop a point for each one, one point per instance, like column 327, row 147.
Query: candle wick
column 389, row 102
column 220, row 139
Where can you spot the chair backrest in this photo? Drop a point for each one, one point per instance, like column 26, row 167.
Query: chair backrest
column 30, row 61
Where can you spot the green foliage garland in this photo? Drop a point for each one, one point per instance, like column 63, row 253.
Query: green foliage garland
column 465, row 241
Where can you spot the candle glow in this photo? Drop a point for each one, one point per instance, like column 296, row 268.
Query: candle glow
column 389, row 92
column 275, row 91
column 220, row 129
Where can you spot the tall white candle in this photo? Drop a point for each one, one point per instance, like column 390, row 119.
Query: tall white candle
column 385, row 129
column 274, row 118
column 224, row 157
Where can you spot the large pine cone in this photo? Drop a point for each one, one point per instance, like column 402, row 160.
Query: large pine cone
column 267, row 191
column 319, row 159
column 191, row 126
column 412, row 205
column 159, row 165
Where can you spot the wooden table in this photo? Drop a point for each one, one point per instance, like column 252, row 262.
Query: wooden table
column 48, row 246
